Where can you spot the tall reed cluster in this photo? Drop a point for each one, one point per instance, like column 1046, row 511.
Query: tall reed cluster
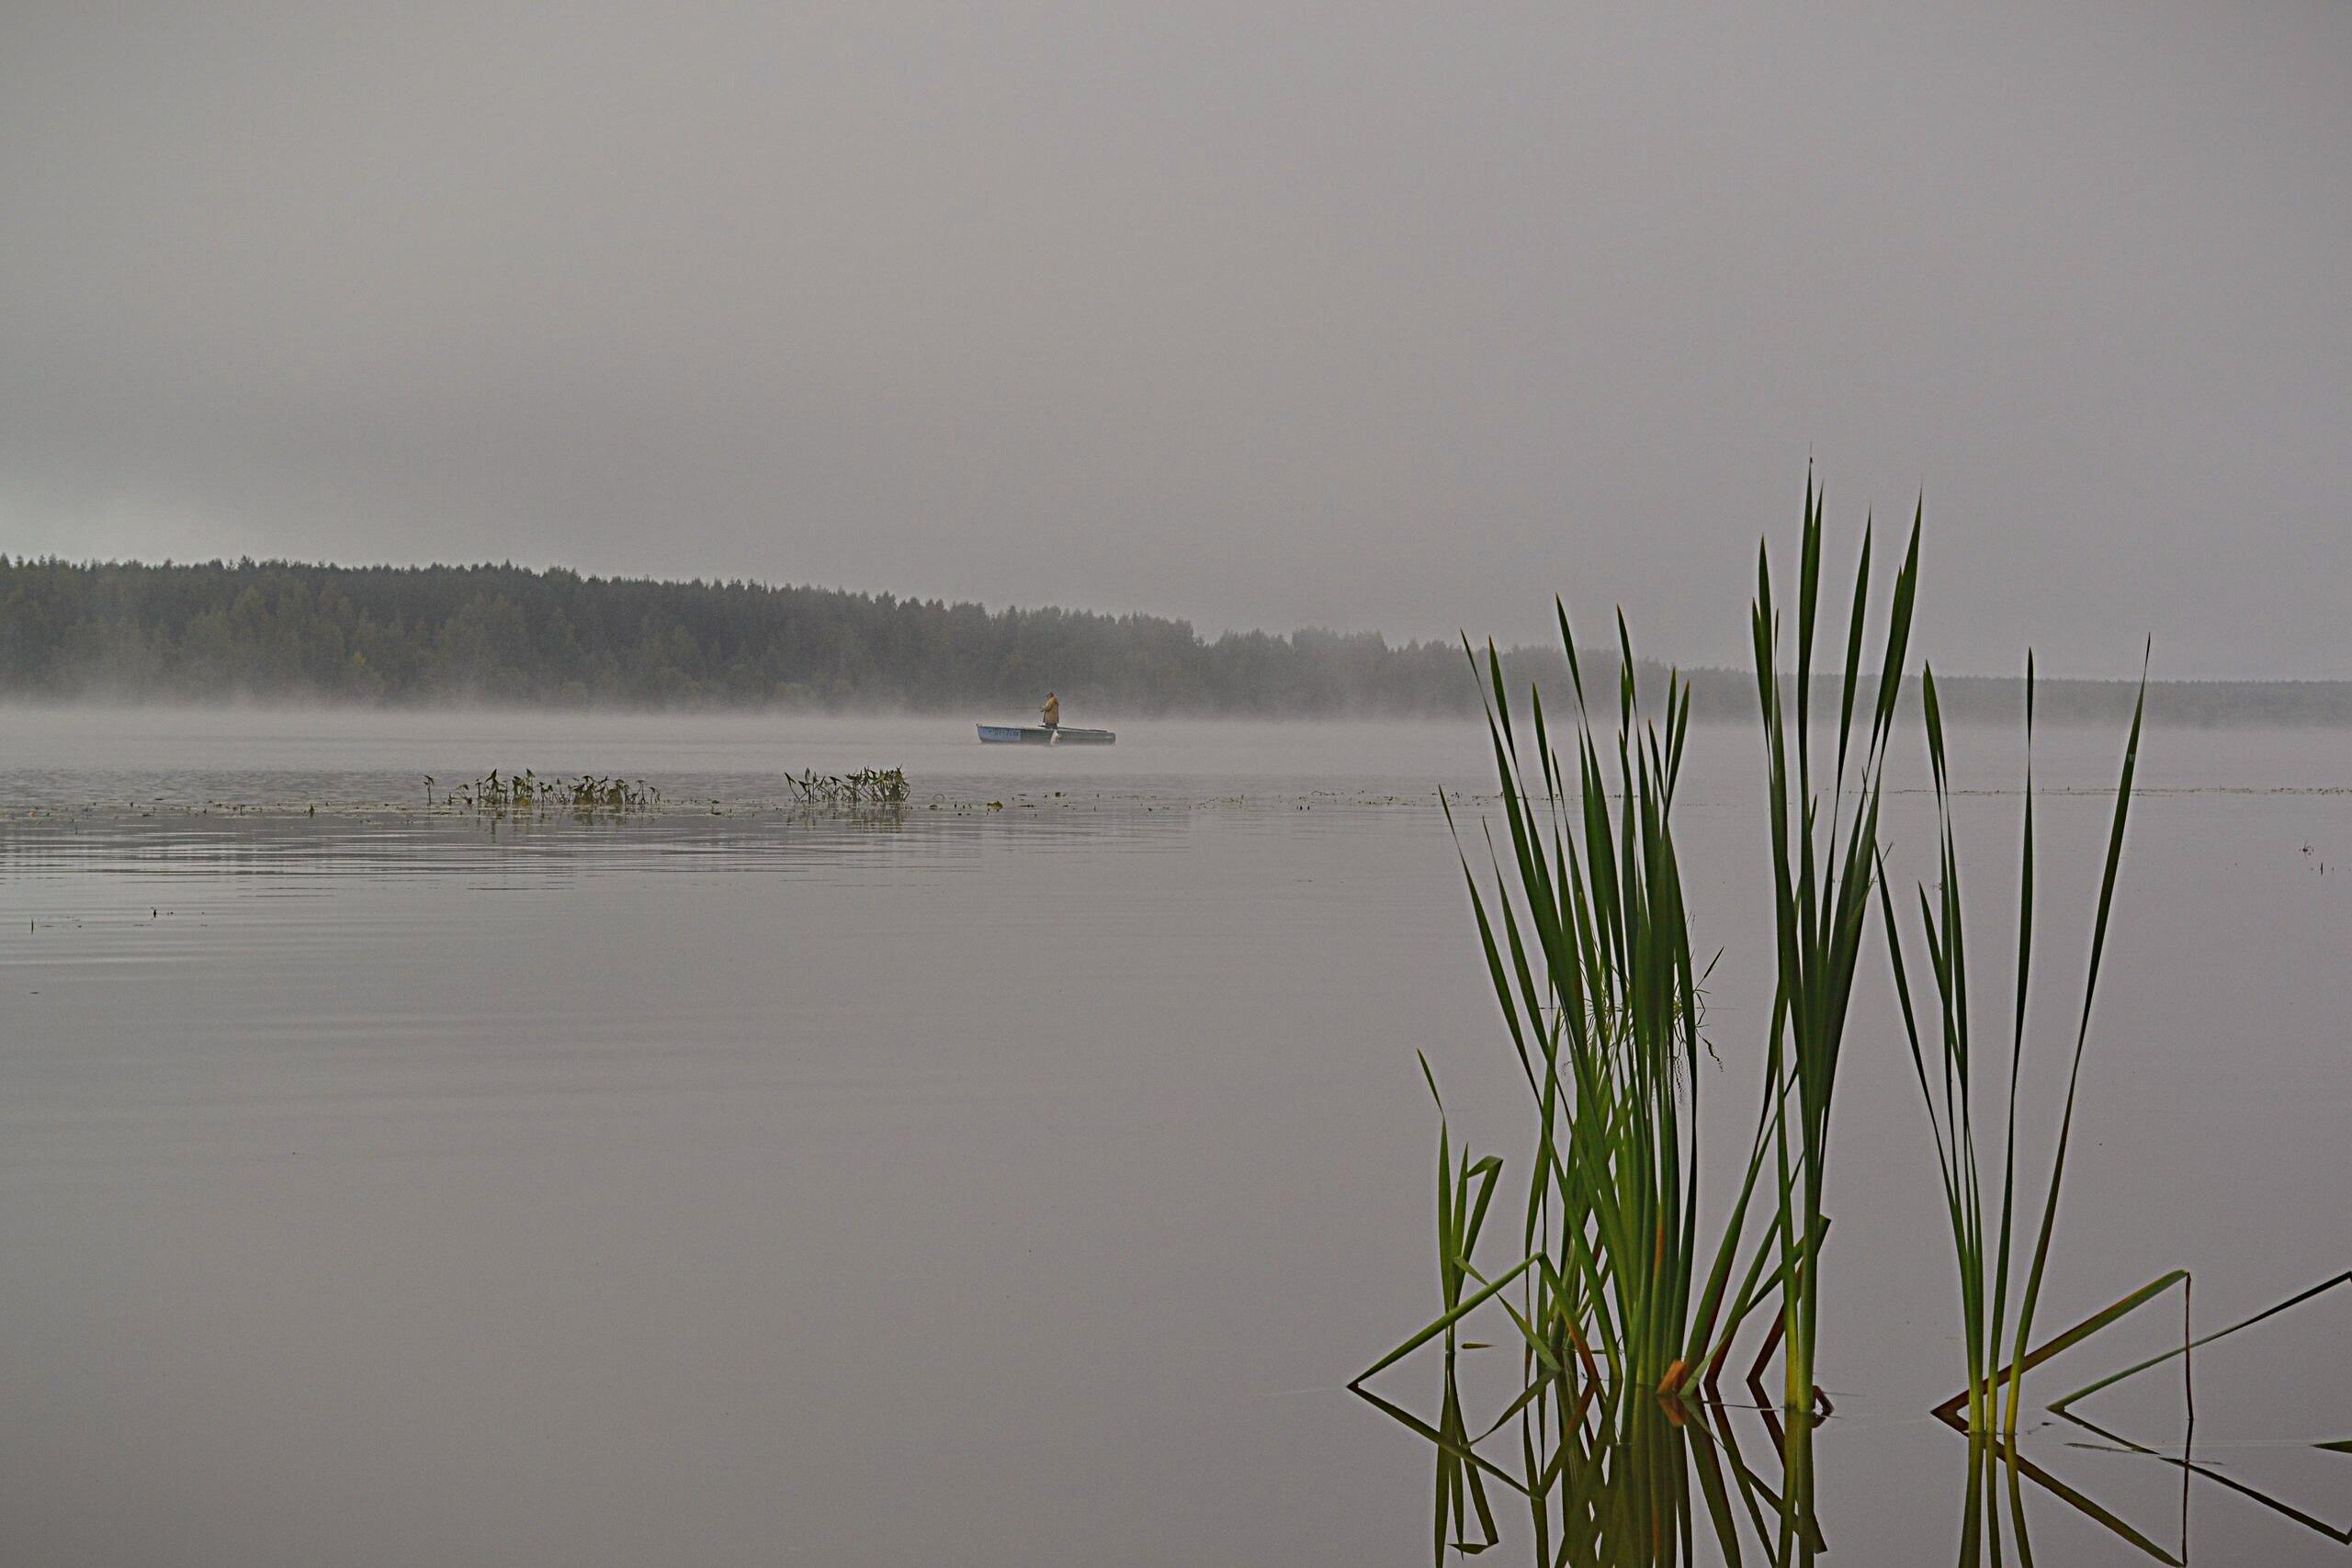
column 1625, row 1291
column 1587, row 942
column 1624, row 1279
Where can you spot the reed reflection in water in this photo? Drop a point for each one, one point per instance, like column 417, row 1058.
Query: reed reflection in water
column 1605, row 1475
column 1589, row 1474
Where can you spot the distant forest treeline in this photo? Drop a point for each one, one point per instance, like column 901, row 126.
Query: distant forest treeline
column 506, row 634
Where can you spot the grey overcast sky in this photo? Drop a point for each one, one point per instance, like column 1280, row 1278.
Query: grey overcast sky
column 1349, row 314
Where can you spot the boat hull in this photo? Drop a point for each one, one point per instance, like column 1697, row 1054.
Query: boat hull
column 1038, row 734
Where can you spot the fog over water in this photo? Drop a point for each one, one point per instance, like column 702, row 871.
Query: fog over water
column 276, row 756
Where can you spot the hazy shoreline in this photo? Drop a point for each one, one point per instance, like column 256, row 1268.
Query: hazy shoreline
column 223, row 634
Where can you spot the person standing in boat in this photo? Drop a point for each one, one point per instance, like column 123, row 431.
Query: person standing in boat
column 1052, row 711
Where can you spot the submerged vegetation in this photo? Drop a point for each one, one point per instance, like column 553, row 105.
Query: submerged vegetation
column 1625, row 1295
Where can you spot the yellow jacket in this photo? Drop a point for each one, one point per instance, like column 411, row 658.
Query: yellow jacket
column 1053, row 709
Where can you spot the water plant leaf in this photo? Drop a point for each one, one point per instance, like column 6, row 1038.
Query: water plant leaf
column 2113, row 1313
column 1444, row 1321
column 2299, row 1298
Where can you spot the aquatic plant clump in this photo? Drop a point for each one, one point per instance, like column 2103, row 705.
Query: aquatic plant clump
column 525, row 792
column 866, row 787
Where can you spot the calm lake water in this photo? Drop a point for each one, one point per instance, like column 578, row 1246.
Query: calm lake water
column 1022, row 1185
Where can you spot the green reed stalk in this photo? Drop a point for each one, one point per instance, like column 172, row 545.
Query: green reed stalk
column 2082, row 1035
column 1821, row 879
column 1587, row 945
column 1986, row 1300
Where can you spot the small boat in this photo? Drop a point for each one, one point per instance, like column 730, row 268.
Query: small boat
column 1038, row 734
